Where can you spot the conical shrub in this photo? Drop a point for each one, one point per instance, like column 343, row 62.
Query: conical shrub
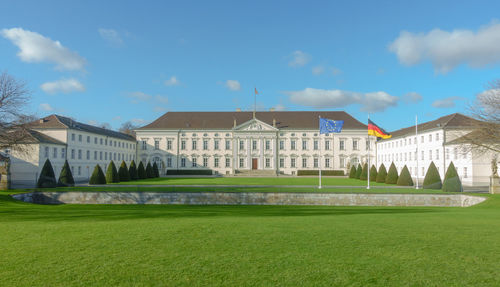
column 156, row 171
column 359, row 169
column 141, row 172
column 451, row 181
column 66, row 176
column 405, row 178
column 373, row 173
column 432, row 179
column 47, row 177
column 364, row 172
column 123, row 174
column 352, row 172
column 97, row 176
column 132, row 171
column 392, row 175
column 382, row 174
column 149, row 171
column 111, row 173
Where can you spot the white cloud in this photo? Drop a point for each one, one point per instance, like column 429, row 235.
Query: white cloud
column 173, row 81
column 446, row 102
column 279, row 107
column 117, row 118
column 111, row 36
column 323, row 99
column 159, row 109
column 46, row 107
column 137, row 121
column 233, row 85
column 139, row 97
column 318, row 70
column 64, row 86
column 35, row 48
column 336, row 71
column 446, row 50
column 412, row 97
column 161, row 99
column 299, row 59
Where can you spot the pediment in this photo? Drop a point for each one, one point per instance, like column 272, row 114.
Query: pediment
column 255, row 125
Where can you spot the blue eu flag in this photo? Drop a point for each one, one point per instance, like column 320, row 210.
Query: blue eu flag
column 327, row 126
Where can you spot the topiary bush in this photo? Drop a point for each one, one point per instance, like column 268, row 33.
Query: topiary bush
column 97, row 176
column 47, row 177
column 364, row 172
column 451, row 181
column 382, row 174
column 373, row 173
column 156, row 171
column 123, row 174
column 392, row 175
column 141, row 172
column 432, row 179
column 405, row 178
column 111, row 173
column 132, row 171
column 359, row 169
column 149, row 171
column 66, row 176
column 352, row 172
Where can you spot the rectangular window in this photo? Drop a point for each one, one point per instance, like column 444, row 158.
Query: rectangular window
column 423, row 155
column 242, row 163
column 304, row 162
column 430, row 137
column 216, row 162
column 73, row 137
column 423, row 171
column 183, row 162
column 228, row 162
column 342, row 162
column 46, row 152
column 194, row 144
column 88, row 139
column 315, row 162
column 327, row 162
column 455, row 153
column 205, row 161
column 430, row 154
column 292, row 162
column 144, row 145
column 268, row 162
column 342, row 145
column 205, row 144
column 54, row 153
column 100, row 155
column 327, row 145
column 183, row 145
column 63, row 153
column 367, row 145
column 447, row 154
column 282, row 145
column 80, row 138
column 72, row 154
column 242, row 145
column 169, row 162
column 100, row 141
column 465, row 172
column 216, row 144
column 437, row 154
column 355, row 144
column 437, row 136
column 254, row 144
column 95, row 140
column 304, row 145
column 88, row 155
column 157, row 144
column 268, row 144
column 292, row 145
column 106, row 155
column 79, row 154
column 315, row 145
column 95, row 155
column 228, row 144
column 79, row 170
column 421, row 139
column 169, row 144
column 195, row 162
column 282, row 162
column 114, row 156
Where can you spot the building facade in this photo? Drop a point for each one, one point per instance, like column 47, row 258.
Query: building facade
column 271, row 143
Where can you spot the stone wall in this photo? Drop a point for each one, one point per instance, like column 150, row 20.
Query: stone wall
column 250, row 198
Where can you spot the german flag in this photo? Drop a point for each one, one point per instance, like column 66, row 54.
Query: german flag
column 374, row 130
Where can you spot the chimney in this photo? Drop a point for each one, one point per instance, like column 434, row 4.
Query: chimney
column 272, row 109
column 234, row 123
column 274, row 123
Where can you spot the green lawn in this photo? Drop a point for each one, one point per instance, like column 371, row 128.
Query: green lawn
column 137, row 245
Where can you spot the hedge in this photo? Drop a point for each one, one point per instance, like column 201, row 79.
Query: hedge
column 149, row 171
column 432, row 179
column 373, row 173
column 405, row 178
column 123, row 174
column 111, row 173
column 141, row 172
column 189, row 172
column 392, row 175
column 156, row 171
column 364, row 172
column 305, row 172
column 382, row 174
column 352, row 172
column 451, row 181
column 97, row 176
column 47, row 177
column 359, row 169
column 66, row 177
column 132, row 171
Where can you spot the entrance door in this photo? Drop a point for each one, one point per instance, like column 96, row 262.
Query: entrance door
column 254, row 163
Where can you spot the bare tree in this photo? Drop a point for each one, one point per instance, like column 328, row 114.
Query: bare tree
column 128, row 128
column 14, row 123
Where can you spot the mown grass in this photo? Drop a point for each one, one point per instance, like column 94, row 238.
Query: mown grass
column 137, row 245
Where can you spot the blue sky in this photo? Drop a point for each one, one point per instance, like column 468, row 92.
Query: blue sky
column 113, row 61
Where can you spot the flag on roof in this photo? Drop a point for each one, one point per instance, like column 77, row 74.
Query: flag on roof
column 374, row 130
column 330, row 126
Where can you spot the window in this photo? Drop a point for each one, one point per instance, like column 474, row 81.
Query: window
column 95, row 155
column 54, row 152
column 216, row 144
column 72, row 154
column 254, row 144
column 268, row 144
column 430, row 154
column 205, row 161
column 183, row 145
column 228, row 144
column 292, row 144
column 342, row 162
column 421, row 139
column 73, row 137
column 144, row 145
column 88, row 139
column 106, row 155
column 194, row 144
column 88, row 155
column 183, row 162
column 205, row 144
column 342, row 145
column 194, row 162
column 437, row 154
column 228, row 162
column 447, row 154
column 292, row 162
column 304, row 145
column 79, row 170
column 437, row 136
column 100, row 155
column 46, row 153
column 216, row 162
column 304, row 162
column 169, row 144
column 465, row 172
column 63, row 153
column 327, row 162
column 355, row 144
column 100, row 141
column 282, row 162
column 367, row 145
column 95, row 140
column 455, row 153
column 242, row 144
column 282, row 145
column 268, row 162
column 315, row 162
column 430, row 137
column 423, row 171
column 80, row 138
column 169, row 162
column 315, row 145
column 242, row 163
column 157, row 144
column 327, row 145
column 79, row 154
column 423, row 155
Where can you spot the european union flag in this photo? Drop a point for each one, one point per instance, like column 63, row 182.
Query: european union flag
column 330, row 126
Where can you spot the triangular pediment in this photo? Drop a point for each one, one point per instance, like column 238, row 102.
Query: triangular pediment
column 255, row 125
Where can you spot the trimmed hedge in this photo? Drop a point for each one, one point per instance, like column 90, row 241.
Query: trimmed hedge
column 432, row 179
column 111, row 173
column 47, row 177
column 364, row 172
column 156, row 171
column 451, row 181
column 352, row 172
column 392, row 175
column 359, row 169
column 373, row 173
column 189, row 172
column 141, row 172
column 132, row 171
column 304, row 172
column 149, row 171
column 123, row 174
column 382, row 174
column 66, row 177
column 97, row 176
column 405, row 178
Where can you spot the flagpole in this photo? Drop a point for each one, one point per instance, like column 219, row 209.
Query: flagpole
column 416, row 153
column 368, row 179
column 254, row 101
column 319, row 164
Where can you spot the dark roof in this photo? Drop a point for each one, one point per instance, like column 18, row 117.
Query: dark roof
column 225, row 120
column 452, row 121
column 60, row 122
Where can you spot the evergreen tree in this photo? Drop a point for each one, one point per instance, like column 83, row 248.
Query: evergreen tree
column 141, row 172
column 392, row 175
column 156, row 171
column 405, row 178
column 382, row 174
column 97, row 176
column 432, row 179
column 364, row 172
column 111, row 173
column 123, row 174
column 451, row 181
column 373, row 173
column 47, row 177
column 66, row 177
column 132, row 171
column 352, row 173
column 359, row 169
column 149, row 171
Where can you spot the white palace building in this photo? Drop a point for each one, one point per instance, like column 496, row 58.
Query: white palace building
column 232, row 143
